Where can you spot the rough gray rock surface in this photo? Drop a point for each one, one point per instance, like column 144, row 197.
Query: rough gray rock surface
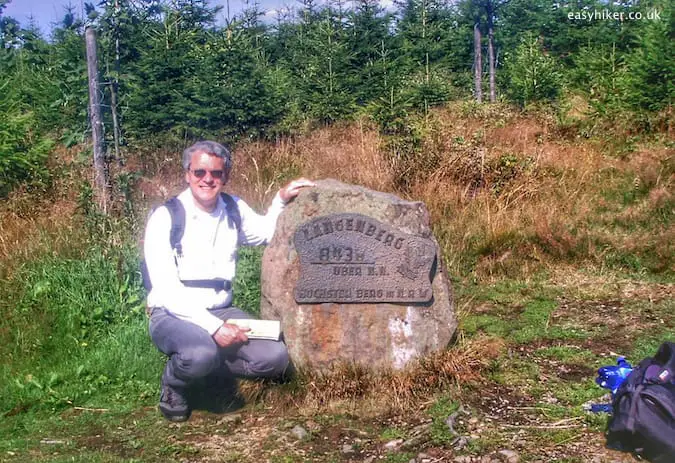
column 384, row 335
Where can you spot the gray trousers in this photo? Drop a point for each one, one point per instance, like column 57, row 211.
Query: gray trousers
column 193, row 354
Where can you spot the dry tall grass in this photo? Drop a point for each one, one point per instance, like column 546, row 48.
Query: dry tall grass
column 31, row 223
column 356, row 387
column 506, row 194
column 351, row 153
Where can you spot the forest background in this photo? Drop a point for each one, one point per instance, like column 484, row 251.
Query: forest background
column 538, row 133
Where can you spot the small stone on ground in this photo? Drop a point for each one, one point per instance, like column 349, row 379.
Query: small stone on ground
column 299, row 432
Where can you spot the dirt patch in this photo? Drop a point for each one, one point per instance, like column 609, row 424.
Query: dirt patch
column 262, row 438
column 244, row 439
column 503, row 417
column 498, row 402
column 589, row 313
column 617, row 324
column 574, row 372
column 585, row 285
column 100, row 441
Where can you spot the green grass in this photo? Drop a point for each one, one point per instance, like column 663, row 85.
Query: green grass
column 556, row 339
column 75, row 334
column 522, row 323
column 647, row 345
column 439, row 412
column 577, row 393
column 515, row 371
column 111, row 435
column 247, row 283
column 389, row 434
column 569, row 354
column 74, row 331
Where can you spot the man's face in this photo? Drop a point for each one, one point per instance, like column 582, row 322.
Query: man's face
column 206, row 175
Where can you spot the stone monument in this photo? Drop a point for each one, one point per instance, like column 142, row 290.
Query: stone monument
column 355, row 275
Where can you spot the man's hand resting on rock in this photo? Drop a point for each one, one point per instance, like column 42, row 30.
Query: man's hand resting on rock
column 291, row 190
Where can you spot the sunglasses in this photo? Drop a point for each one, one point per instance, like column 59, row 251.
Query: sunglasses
column 201, row 173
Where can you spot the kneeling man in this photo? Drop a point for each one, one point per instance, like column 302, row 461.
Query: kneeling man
column 190, row 281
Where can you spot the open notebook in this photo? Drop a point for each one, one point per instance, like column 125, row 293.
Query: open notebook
column 260, row 329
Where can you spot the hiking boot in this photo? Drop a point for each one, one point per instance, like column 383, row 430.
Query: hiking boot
column 173, row 404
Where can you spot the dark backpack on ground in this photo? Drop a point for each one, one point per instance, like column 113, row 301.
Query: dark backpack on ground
column 643, row 419
column 177, row 213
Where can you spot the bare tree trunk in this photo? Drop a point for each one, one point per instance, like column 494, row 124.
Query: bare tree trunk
column 491, row 53
column 115, row 119
column 114, row 88
column 427, row 74
column 100, row 167
column 477, row 63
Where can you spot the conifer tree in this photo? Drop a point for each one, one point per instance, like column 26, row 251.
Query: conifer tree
column 318, row 59
column 534, row 76
column 162, row 90
column 599, row 73
column 422, row 30
column 370, row 49
column 650, row 80
column 26, row 95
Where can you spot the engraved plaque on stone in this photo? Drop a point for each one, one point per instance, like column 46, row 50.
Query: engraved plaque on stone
column 352, row 258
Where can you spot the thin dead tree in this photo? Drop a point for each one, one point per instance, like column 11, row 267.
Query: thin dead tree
column 491, row 7
column 489, row 10
column 114, row 84
column 100, row 164
column 478, row 62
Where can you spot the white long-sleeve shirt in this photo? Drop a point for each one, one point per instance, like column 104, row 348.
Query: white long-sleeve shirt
column 209, row 247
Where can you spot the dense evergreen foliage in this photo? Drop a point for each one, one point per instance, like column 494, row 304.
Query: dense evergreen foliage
column 170, row 66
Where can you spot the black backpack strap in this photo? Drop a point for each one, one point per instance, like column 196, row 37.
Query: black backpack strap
column 177, row 212
column 666, row 354
column 663, row 370
column 233, row 215
column 219, row 284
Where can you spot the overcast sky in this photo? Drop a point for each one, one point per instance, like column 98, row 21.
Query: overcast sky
column 47, row 12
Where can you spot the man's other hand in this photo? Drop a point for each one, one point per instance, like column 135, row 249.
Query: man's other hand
column 291, row 190
column 229, row 335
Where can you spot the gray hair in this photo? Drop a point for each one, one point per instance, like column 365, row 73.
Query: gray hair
column 209, row 147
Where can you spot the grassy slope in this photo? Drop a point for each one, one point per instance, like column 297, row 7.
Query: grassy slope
column 561, row 252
